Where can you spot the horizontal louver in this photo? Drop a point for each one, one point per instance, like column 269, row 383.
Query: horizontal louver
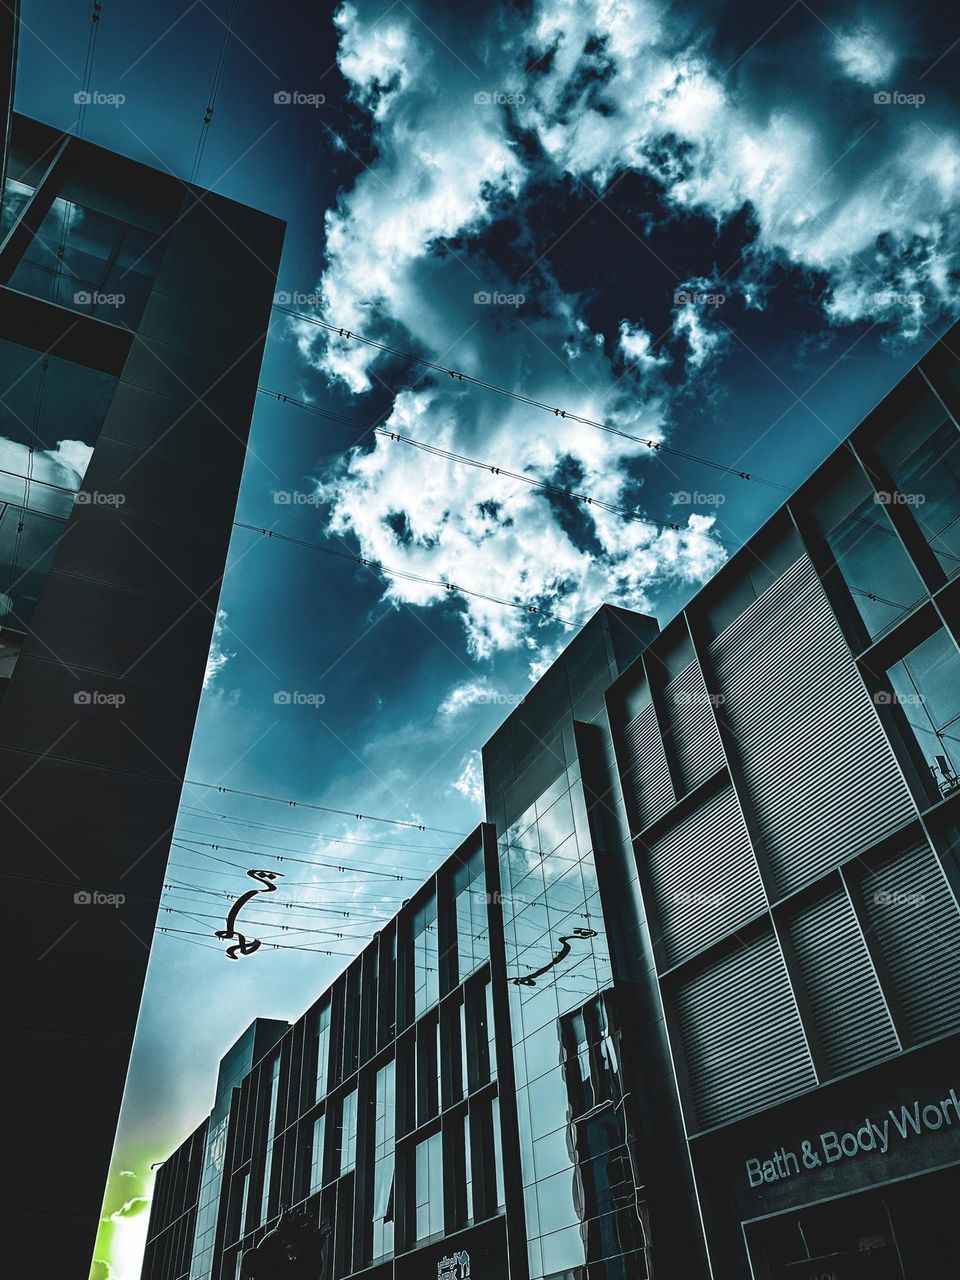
column 915, row 921
column 704, row 877
column 848, row 1007
column 692, row 727
column 646, row 780
column 743, row 1044
column 786, row 675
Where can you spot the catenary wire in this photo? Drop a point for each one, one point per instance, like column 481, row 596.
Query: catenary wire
column 214, row 91
column 459, row 376
column 405, row 575
column 322, row 808
column 463, row 460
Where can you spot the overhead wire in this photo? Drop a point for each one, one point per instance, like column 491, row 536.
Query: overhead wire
column 321, row 808
column 464, row 460
column 459, row 376
column 310, row 862
column 87, row 77
column 403, row 574
column 214, row 91
column 318, row 835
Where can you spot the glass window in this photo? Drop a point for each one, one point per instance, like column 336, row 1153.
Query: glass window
column 323, row 1050
column 429, row 1188
column 348, row 1132
column 90, row 263
column 272, row 1100
column 468, row 1168
column 926, row 686
column 383, row 1206
column 498, row 1153
column 316, row 1154
column 15, row 196
column 384, row 1128
column 426, row 958
column 929, row 481
column 428, row 1070
column 877, row 571
column 473, row 941
column 51, row 413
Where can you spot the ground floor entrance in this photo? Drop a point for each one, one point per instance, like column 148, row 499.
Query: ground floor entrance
column 908, row 1230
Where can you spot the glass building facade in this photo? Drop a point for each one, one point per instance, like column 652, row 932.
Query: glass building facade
column 688, row 1002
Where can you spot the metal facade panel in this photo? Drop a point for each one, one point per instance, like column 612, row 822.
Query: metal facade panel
column 696, row 740
column 848, row 1008
column 820, row 774
column 704, row 877
column 915, row 920
column 743, row 1043
column 646, row 777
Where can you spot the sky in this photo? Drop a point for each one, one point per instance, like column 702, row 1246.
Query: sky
column 724, row 229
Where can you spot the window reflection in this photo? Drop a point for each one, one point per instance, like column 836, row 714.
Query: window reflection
column 384, row 1127
column 348, row 1132
column 580, row 1196
column 51, row 412
column 15, row 197
column 90, row 263
column 426, row 958
column 272, row 1099
column 473, row 941
column 926, row 687
column 428, row 1218
column 877, row 571
column 930, row 483
column 323, row 1050
column 316, row 1154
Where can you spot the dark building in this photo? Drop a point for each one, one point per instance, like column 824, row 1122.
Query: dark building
column 133, row 309
column 688, row 1003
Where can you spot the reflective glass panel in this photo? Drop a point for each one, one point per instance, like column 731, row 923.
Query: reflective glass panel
column 878, row 573
column 929, row 481
column 91, row 263
column 429, row 1187
column 926, row 685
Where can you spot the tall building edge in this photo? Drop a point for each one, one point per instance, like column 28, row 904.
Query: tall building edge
column 137, row 343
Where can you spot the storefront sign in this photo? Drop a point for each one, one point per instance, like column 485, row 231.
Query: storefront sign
column 898, row 1124
column 455, row 1266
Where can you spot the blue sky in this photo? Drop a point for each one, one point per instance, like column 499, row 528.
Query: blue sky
column 695, row 223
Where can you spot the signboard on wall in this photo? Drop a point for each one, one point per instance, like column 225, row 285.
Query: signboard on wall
column 478, row 1253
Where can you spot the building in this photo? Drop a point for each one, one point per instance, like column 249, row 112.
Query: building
column 133, row 309
column 688, row 1002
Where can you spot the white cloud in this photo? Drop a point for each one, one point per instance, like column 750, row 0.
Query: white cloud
column 470, row 782
column 219, row 656
column 63, row 468
column 463, row 696
column 613, row 90
column 864, row 55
